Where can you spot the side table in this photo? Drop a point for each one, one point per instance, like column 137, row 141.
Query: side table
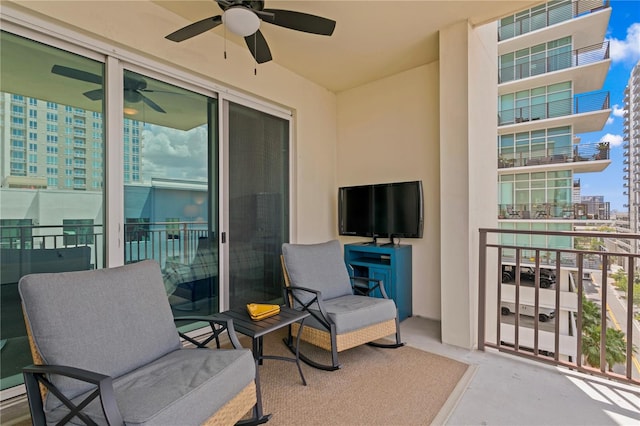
column 243, row 324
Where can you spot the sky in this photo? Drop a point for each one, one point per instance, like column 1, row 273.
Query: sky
column 623, row 34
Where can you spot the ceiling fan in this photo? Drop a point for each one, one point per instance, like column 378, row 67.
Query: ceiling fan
column 243, row 17
column 133, row 86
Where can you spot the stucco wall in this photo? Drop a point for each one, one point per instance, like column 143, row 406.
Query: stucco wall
column 388, row 132
column 467, row 170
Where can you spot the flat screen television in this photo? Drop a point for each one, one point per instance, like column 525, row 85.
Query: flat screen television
column 388, row 210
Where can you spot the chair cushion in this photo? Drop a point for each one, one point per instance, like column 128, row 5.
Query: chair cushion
column 353, row 312
column 317, row 266
column 183, row 387
column 111, row 321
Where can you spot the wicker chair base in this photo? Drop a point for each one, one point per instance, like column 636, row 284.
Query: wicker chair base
column 322, row 338
column 235, row 409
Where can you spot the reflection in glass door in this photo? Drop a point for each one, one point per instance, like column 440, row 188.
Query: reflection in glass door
column 52, row 174
column 258, row 197
column 170, row 188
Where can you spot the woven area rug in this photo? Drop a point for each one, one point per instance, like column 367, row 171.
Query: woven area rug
column 375, row 386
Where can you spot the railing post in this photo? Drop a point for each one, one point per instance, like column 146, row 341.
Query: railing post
column 482, row 288
column 630, row 310
column 604, row 286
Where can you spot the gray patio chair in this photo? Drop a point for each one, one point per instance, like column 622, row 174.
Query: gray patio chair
column 106, row 351
column 343, row 314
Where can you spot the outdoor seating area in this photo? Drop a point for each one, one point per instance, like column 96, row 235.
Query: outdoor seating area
column 555, row 211
column 110, row 381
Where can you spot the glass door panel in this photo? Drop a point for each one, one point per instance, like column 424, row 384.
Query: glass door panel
column 51, row 201
column 258, row 204
column 170, row 188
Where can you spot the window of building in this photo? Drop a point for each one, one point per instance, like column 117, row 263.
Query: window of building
column 78, row 232
column 15, row 233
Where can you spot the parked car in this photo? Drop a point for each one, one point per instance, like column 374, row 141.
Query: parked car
column 544, row 314
column 547, row 276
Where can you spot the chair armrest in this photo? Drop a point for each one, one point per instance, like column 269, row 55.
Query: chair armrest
column 37, row 374
column 366, row 290
column 223, row 324
column 317, row 299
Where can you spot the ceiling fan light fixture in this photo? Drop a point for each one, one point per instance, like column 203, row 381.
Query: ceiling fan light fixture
column 129, row 111
column 241, row 21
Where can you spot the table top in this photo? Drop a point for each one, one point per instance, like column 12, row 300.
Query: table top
column 243, row 323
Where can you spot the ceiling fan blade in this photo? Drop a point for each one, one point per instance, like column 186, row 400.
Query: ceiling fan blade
column 77, row 74
column 94, row 95
column 302, row 21
column 258, row 47
column 194, row 29
column 152, row 104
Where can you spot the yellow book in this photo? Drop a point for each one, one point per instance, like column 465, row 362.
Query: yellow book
column 260, row 311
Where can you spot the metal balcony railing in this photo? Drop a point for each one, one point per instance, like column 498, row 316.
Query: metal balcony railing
column 562, row 299
column 582, row 152
column 555, row 210
column 580, row 104
column 555, row 62
column 162, row 241
column 31, row 237
column 524, row 22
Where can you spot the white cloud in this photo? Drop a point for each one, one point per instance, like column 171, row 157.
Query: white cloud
column 618, row 111
column 610, row 120
column 174, row 154
column 614, row 140
column 629, row 48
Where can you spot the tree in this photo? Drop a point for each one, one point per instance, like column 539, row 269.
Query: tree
column 615, row 342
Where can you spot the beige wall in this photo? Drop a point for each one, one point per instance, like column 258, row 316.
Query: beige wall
column 388, row 131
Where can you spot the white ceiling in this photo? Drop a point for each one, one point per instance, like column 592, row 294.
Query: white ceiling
column 373, row 39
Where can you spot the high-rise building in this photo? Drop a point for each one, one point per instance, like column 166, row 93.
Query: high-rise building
column 552, row 61
column 632, row 147
column 54, row 146
column 631, row 163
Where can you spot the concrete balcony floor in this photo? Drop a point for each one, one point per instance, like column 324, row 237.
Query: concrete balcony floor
column 510, row 390
column 499, row 389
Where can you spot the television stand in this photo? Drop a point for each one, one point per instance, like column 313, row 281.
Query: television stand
column 389, row 263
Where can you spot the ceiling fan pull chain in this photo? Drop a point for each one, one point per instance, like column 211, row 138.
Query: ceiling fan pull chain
column 225, row 42
column 255, row 49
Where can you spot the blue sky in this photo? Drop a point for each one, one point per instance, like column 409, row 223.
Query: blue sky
column 624, row 37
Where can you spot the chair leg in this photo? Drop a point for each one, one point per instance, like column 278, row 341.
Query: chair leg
column 288, row 341
column 398, row 342
column 258, row 416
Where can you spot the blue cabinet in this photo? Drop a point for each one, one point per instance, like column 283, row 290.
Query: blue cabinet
column 391, row 264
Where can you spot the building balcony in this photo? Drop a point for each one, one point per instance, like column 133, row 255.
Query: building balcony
column 586, row 113
column 586, row 67
column 583, row 158
column 555, row 211
column 584, row 20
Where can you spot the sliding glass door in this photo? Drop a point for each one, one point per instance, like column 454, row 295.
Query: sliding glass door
column 170, row 188
column 258, row 194
column 52, row 174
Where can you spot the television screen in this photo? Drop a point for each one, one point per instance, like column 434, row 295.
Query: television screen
column 382, row 210
column 355, row 211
